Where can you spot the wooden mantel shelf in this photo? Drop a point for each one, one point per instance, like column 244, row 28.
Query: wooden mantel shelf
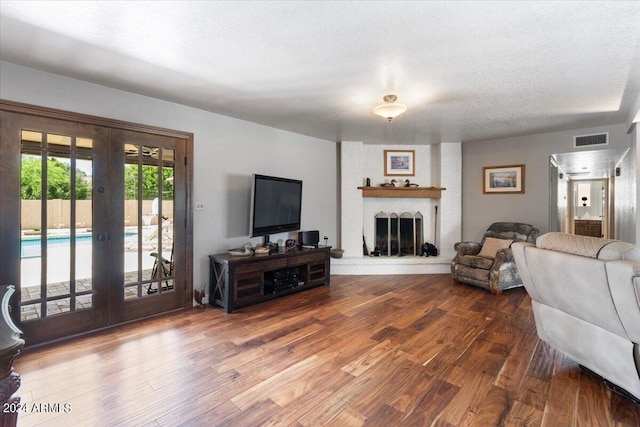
column 402, row 192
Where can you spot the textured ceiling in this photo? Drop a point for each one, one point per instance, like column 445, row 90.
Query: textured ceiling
column 468, row 71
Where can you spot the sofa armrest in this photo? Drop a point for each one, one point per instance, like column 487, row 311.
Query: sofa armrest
column 624, row 284
column 519, row 249
column 467, row 248
column 502, row 256
column 503, row 273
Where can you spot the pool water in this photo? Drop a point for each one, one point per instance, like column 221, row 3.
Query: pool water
column 31, row 246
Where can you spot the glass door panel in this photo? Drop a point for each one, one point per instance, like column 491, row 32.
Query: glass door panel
column 148, row 231
column 56, row 216
column 134, row 224
column 149, row 173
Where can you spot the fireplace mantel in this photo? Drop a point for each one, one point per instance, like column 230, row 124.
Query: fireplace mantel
column 402, row 192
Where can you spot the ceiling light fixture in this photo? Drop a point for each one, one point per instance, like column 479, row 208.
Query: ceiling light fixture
column 390, row 109
column 578, row 173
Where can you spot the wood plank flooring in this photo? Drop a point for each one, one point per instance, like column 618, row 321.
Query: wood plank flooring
column 411, row 350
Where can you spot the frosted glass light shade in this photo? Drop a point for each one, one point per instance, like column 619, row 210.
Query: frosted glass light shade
column 389, row 109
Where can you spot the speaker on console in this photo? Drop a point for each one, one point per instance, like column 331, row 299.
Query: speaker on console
column 309, row 238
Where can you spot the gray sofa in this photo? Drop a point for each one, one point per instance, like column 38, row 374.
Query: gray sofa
column 585, row 294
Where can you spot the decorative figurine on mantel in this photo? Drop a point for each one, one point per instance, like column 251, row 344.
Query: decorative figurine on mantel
column 394, row 183
column 402, row 189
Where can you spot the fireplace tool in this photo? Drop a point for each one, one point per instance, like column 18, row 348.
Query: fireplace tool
column 435, row 228
column 429, row 249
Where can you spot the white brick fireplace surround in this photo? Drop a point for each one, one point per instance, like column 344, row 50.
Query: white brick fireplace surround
column 437, row 165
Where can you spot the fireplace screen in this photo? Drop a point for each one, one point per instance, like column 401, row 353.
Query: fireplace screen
column 398, row 235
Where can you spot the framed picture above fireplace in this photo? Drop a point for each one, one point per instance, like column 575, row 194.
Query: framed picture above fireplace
column 503, row 179
column 399, row 162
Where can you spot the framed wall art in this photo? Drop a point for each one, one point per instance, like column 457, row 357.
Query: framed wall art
column 399, row 162
column 503, row 179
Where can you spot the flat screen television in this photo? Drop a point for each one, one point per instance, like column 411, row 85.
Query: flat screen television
column 275, row 205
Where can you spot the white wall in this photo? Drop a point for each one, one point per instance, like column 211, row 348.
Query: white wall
column 628, row 193
column 635, row 147
column 227, row 152
column 627, row 223
column 480, row 210
column 437, row 165
column 373, row 168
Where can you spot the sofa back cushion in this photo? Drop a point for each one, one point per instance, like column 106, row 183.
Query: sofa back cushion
column 515, row 231
column 576, row 285
column 592, row 247
column 620, row 250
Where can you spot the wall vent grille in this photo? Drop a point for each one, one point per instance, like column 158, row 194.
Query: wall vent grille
column 593, row 139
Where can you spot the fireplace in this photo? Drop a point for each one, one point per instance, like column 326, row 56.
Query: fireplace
column 437, row 164
column 398, row 234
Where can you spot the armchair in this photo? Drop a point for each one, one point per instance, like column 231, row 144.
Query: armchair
column 490, row 264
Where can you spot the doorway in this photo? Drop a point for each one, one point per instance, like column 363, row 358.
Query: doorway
column 95, row 223
column 581, row 192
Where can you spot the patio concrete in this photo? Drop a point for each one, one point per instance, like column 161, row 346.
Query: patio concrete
column 58, row 275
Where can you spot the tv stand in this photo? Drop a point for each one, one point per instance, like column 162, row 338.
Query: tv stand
column 240, row 281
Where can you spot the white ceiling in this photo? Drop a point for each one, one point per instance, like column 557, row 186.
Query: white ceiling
column 468, row 71
column 596, row 164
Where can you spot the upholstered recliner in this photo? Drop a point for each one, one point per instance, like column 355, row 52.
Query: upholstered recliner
column 585, row 295
column 490, row 264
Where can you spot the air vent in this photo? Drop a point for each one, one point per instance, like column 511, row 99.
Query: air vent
column 593, row 139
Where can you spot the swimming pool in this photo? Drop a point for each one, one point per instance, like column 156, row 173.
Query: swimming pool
column 31, row 246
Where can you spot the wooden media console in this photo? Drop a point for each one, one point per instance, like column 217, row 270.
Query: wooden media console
column 239, row 281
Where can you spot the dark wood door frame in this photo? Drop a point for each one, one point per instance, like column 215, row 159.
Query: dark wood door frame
column 10, row 235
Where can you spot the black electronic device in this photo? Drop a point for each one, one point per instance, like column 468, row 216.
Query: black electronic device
column 276, row 205
column 309, row 238
column 281, row 280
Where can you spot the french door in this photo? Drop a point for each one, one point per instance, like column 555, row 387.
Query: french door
column 93, row 224
column 149, row 272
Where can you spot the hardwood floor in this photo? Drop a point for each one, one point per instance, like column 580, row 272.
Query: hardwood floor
column 368, row 350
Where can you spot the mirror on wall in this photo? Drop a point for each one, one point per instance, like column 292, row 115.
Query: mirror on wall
column 590, row 203
column 589, row 199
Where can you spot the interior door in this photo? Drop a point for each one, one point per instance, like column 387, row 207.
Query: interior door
column 94, row 224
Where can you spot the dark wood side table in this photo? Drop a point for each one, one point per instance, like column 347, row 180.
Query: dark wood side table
column 588, row 227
